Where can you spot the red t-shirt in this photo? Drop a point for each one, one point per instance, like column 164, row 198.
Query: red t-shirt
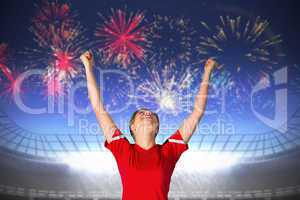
column 146, row 174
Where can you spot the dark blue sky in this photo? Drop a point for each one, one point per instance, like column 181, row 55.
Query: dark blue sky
column 283, row 17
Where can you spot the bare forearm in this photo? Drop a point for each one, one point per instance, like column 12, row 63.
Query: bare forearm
column 94, row 92
column 201, row 97
column 189, row 125
column 104, row 119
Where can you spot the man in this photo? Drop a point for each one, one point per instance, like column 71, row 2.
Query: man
column 145, row 167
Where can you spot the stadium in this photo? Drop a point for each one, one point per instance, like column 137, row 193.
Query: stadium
column 247, row 146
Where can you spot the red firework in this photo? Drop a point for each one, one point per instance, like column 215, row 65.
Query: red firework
column 11, row 87
column 8, row 74
column 64, row 65
column 54, row 86
column 59, row 72
column 3, row 62
column 123, row 38
column 54, row 24
column 60, row 39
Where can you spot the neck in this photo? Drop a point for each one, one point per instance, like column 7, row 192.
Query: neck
column 146, row 141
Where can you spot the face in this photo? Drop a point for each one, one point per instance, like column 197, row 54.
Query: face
column 145, row 120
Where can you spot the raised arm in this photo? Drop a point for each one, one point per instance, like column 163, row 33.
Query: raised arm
column 105, row 121
column 190, row 123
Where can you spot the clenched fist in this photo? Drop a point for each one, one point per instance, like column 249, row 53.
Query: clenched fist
column 87, row 59
column 210, row 65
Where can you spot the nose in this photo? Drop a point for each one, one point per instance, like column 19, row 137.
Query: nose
column 148, row 113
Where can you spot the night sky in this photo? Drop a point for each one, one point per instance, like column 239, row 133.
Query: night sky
column 283, row 18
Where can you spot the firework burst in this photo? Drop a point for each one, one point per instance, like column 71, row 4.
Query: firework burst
column 168, row 90
column 122, row 38
column 235, row 40
column 54, row 24
column 60, row 65
column 60, row 41
column 3, row 62
column 64, row 65
column 8, row 75
column 119, row 97
column 244, row 49
column 55, row 87
column 171, row 40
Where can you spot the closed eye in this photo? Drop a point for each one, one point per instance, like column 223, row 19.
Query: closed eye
column 143, row 113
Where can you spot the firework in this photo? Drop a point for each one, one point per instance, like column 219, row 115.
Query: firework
column 120, row 96
column 65, row 65
column 54, row 24
column 242, row 40
column 171, row 40
column 244, row 49
column 169, row 89
column 10, row 85
column 55, row 87
column 8, row 74
column 122, row 37
column 3, row 62
column 60, row 41
column 132, row 71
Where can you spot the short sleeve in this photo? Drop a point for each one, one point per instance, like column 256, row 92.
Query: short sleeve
column 119, row 146
column 174, row 146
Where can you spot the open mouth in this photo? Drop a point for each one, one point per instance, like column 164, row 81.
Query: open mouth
column 148, row 118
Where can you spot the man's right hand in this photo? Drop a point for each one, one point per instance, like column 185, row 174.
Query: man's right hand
column 210, row 65
column 87, row 59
